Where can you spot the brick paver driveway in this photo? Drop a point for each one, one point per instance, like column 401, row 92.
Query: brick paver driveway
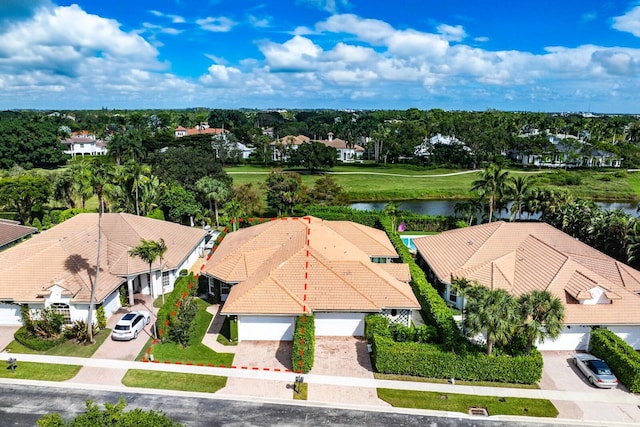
column 559, row 373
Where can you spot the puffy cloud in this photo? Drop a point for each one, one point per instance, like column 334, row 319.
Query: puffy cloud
column 219, row 24
column 629, row 22
column 452, row 33
column 220, row 74
column 296, row 54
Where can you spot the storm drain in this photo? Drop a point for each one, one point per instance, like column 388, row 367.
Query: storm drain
column 478, row 412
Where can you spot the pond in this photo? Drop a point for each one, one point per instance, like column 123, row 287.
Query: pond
column 446, row 207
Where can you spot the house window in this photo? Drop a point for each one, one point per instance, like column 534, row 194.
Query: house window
column 224, row 288
column 453, row 295
column 64, row 310
column 379, row 260
column 165, row 279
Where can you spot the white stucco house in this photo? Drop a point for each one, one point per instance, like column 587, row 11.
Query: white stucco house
column 269, row 274
column 84, row 143
column 57, row 267
column 595, row 289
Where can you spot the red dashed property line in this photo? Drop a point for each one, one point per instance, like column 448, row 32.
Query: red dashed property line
column 185, row 294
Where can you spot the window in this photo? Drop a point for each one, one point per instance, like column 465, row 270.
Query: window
column 64, row 310
column 224, row 288
column 165, row 279
column 453, row 295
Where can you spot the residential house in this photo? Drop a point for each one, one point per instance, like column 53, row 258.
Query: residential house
column 429, row 144
column 12, row 232
column 57, row 267
column 84, row 143
column 595, row 289
column 269, row 274
column 281, row 148
column 345, row 152
column 202, row 128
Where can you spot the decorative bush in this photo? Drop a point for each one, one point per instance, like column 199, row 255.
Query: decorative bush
column 181, row 324
column 303, row 346
column 402, row 333
column 376, row 324
column 620, row 356
column 79, row 331
column 427, row 360
column 184, row 287
column 37, row 343
column 426, row 334
column 102, row 319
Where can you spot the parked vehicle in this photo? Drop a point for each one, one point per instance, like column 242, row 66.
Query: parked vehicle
column 596, row 370
column 130, row 325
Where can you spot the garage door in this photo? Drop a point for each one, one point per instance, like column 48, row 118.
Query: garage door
column 631, row 334
column 573, row 337
column 10, row 314
column 339, row 324
column 265, row 328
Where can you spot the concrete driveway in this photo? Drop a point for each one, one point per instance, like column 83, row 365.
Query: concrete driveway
column 560, row 373
column 6, row 335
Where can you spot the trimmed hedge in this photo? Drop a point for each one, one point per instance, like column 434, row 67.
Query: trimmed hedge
column 433, row 306
column 341, row 213
column 620, row 356
column 35, row 343
column 375, row 324
column 184, row 286
column 303, row 346
column 426, row 360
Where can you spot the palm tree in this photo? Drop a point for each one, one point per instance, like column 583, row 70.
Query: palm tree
column 494, row 312
column 492, row 184
column 149, row 251
column 235, row 210
column 518, row 193
column 99, row 178
column 543, row 316
column 467, row 209
column 391, row 210
column 462, row 287
column 214, row 191
column 136, row 176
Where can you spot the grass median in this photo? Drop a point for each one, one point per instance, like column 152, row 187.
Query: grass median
column 463, row 402
column 173, row 381
column 68, row 348
column 40, row 371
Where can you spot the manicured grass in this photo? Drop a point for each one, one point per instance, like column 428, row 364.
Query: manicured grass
column 69, row 348
column 40, row 371
column 463, row 402
column 173, row 381
column 229, row 332
column 304, row 392
column 196, row 352
column 392, row 377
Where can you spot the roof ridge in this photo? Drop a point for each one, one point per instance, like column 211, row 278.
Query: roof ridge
column 291, row 294
column 398, row 285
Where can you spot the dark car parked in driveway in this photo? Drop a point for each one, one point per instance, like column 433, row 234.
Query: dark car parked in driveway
column 596, row 370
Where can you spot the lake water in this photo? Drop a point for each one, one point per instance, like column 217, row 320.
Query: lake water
column 446, row 207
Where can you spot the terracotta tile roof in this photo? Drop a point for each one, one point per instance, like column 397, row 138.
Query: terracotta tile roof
column 10, row 231
column 271, row 263
column 66, row 255
column 291, row 140
column 521, row 257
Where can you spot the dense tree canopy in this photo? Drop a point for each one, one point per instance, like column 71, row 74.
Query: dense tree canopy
column 30, row 143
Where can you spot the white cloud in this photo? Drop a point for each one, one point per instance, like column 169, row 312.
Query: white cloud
column 296, row 54
column 330, row 6
column 175, row 19
column 259, row 22
column 629, row 22
column 452, row 33
column 219, row 24
column 220, row 74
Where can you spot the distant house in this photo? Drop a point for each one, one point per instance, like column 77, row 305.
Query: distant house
column 84, row 142
column 346, row 152
column 202, row 128
column 56, row 267
column 595, row 289
column 269, row 274
column 12, row 232
column 428, row 145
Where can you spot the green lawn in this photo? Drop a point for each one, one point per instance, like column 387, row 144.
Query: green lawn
column 40, row 371
column 173, row 381
column 196, row 352
column 462, row 402
column 69, row 348
column 409, row 378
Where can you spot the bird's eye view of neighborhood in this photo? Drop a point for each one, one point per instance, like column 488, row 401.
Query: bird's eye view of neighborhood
column 319, row 212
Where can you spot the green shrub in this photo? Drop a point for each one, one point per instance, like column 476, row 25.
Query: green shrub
column 124, row 295
column 620, row 356
column 427, row 360
column 303, row 345
column 79, row 331
column 181, row 324
column 184, row 287
column 376, row 324
column 426, row 334
column 401, row 333
column 36, row 223
column 37, row 343
column 156, row 214
column 102, row 319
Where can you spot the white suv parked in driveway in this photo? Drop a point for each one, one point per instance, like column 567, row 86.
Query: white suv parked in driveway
column 130, row 325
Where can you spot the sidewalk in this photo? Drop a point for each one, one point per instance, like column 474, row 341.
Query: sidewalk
column 327, row 379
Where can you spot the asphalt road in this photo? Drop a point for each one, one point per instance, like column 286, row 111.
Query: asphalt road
column 22, row 405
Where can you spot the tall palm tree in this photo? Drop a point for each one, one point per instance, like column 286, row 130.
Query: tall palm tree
column 492, row 184
column 494, row 312
column 542, row 316
column 214, row 190
column 149, row 251
column 136, row 176
column 99, row 178
column 468, row 210
column 518, row 192
column 462, row 287
column 235, row 210
column 391, row 210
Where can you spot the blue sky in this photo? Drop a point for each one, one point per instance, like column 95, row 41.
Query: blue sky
column 341, row 54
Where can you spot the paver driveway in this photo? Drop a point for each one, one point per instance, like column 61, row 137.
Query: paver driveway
column 6, row 335
column 560, row 373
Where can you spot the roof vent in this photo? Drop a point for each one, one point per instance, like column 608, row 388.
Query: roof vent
column 470, row 242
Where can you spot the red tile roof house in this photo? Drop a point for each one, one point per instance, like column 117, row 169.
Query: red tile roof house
column 596, row 290
column 12, row 232
column 56, row 267
column 345, row 152
column 349, row 271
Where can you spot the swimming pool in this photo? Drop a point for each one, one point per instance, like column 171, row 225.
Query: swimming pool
column 408, row 241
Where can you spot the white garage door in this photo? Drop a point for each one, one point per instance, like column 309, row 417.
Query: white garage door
column 631, row 334
column 265, row 328
column 10, row 314
column 573, row 337
column 339, row 324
